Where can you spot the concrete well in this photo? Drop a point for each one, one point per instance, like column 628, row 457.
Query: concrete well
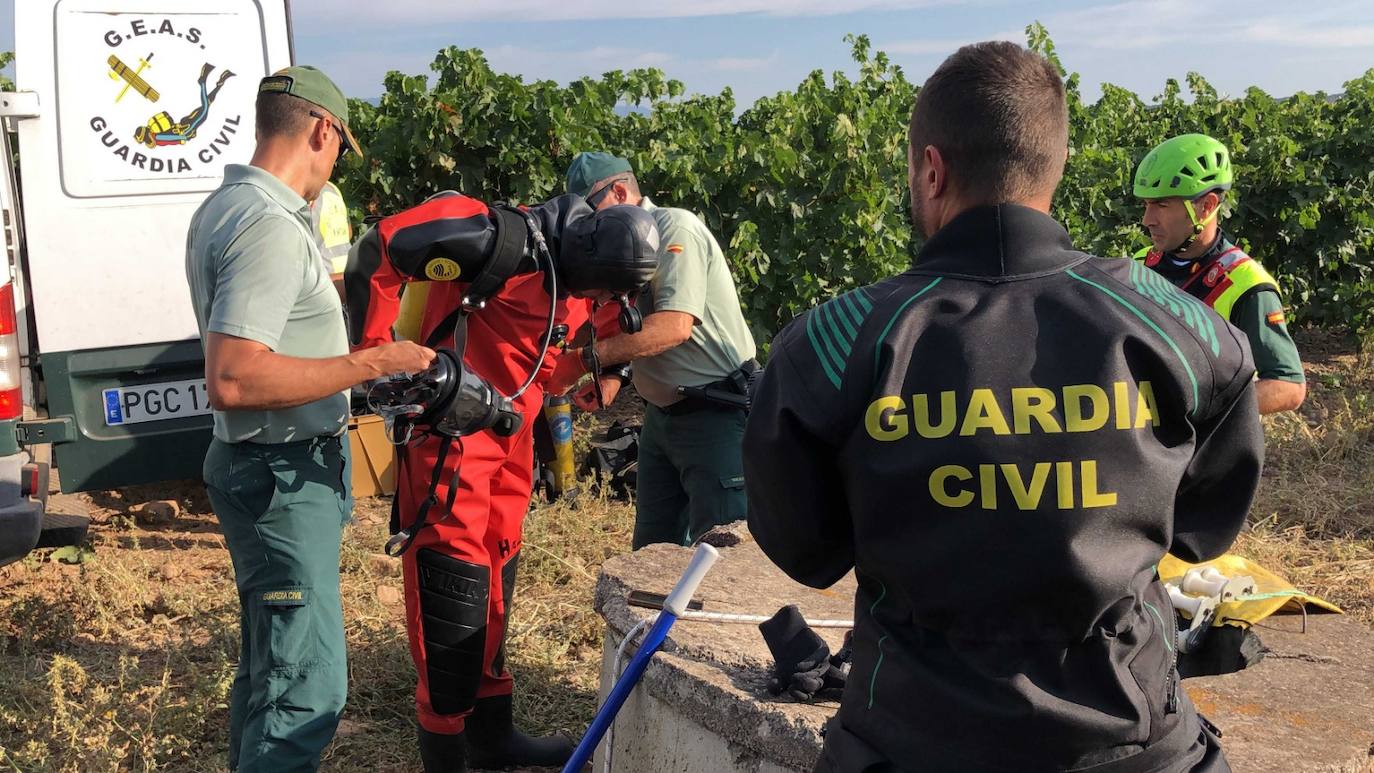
column 703, row 706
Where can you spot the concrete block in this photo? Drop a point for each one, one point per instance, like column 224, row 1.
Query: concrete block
column 703, row 704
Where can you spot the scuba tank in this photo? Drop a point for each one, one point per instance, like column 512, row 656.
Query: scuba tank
column 558, row 413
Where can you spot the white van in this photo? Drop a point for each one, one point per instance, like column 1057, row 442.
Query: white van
column 126, row 113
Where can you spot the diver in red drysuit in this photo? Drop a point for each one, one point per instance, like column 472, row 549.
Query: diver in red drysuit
column 459, row 572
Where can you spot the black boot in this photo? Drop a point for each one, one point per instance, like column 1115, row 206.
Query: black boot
column 494, row 741
column 443, row 753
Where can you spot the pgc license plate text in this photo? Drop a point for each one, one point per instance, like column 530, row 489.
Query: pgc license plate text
column 155, row 402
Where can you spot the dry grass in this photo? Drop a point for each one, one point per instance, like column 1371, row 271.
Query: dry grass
column 124, row 662
column 1314, row 518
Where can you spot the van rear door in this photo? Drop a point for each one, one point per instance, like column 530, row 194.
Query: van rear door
column 140, row 106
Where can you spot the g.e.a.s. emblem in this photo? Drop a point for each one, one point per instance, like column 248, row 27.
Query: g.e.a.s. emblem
column 162, row 116
column 442, row 270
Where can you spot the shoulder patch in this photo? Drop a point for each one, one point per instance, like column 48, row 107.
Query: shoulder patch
column 674, row 248
column 443, row 270
column 832, row 329
column 1214, row 274
column 1275, row 317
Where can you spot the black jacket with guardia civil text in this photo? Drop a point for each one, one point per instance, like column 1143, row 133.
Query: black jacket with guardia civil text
column 1002, row 442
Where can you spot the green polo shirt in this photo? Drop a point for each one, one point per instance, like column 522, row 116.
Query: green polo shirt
column 692, row 277
column 256, row 273
column 1261, row 317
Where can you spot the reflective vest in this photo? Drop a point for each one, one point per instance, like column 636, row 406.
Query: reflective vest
column 333, row 235
column 329, row 223
column 1221, row 279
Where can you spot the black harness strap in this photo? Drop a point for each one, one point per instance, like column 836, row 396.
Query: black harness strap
column 507, row 252
column 401, row 541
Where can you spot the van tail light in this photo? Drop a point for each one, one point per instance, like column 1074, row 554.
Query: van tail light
column 11, row 390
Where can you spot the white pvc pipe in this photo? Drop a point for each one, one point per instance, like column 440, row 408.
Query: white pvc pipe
column 677, row 601
column 1207, row 581
column 1183, row 602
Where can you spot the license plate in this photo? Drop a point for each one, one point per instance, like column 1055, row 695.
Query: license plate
column 156, row 402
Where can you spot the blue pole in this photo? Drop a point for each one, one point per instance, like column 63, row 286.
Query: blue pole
column 673, row 606
column 620, row 691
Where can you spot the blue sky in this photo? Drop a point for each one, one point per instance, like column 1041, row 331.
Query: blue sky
column 758, row 47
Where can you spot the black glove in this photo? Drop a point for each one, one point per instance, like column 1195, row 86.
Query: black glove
column 1224, row 650
column 842, row 659
column 802, row 665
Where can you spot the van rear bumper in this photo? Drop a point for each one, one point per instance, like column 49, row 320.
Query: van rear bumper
column 103, row 456
column 21, row 517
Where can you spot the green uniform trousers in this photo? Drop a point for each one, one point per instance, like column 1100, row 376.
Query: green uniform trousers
column 282, row 509
column 690, row 475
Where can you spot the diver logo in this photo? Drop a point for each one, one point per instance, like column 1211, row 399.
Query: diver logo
column 162, row 117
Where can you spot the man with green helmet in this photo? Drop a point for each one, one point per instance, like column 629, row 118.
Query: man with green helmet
column 1182, row 183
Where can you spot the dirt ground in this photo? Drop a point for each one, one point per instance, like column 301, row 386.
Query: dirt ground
column 122, row 659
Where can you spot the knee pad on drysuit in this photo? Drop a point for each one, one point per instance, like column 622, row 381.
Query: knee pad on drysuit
column 453, row 609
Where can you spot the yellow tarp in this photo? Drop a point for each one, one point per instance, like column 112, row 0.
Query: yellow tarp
column 1273, row 594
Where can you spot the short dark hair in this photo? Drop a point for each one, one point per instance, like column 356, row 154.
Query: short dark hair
column 997, row 114
column 283, row 115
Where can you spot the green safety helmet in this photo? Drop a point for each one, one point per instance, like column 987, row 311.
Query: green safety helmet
column 1185, row 166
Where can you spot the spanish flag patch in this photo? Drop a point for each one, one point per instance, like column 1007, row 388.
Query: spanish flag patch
column 674, row 248
column 1275, row 317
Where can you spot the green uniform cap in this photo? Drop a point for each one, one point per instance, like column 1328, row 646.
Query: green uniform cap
column 314, row 87
column 590, row 167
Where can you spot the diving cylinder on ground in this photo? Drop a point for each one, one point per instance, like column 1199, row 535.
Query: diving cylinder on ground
column 558, row 413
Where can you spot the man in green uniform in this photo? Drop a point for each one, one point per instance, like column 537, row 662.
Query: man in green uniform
column 1182, row 183
column 277, row 367
column 691, row 474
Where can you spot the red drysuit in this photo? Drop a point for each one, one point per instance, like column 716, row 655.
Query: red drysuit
column 460, row 571
column 494, row 484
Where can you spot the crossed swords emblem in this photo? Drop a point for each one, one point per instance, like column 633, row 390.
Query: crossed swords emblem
column 132, row 78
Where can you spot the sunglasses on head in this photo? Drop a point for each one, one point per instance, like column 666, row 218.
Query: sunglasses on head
column 343, row 138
